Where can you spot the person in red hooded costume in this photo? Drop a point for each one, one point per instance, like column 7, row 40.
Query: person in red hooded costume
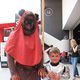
column 24, row 50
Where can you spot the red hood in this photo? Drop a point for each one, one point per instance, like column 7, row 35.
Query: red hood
column 26, row 50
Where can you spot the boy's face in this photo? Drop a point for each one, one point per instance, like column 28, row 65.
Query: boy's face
column 54, row 57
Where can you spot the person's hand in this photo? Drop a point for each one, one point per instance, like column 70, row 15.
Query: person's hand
column 57, row 77
column 42, row 72
column 15, row 77
column 75, row 49
column 53, row 76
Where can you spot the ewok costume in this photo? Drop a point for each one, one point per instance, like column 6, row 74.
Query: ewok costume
column 24, row 49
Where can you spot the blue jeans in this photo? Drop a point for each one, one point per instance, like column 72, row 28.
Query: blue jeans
column 74, row 61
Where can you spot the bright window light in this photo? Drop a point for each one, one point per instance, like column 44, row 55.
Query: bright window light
column 8, row 8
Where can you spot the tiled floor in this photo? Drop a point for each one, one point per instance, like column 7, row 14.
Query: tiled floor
column 5, row 74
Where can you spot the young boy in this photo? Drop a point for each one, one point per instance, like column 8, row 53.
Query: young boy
column 54, row 69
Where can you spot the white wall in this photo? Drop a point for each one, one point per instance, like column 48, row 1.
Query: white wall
column 67, row 7
column 63, row 45
column 8, row 8
column 49, row 39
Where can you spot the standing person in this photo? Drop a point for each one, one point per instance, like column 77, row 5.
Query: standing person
column 24, row 50
column 74, row 57
column 54, row 69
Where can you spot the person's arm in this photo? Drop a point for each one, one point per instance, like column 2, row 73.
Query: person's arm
column 66, row 73
column 41, row 70
column 11, row 65
column 53, row 76
column 75, row 49
column 12, row 68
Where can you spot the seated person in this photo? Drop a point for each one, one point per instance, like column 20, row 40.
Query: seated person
column 54, row 69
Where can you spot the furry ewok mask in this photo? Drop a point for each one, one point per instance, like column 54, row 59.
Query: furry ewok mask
column 29, row 24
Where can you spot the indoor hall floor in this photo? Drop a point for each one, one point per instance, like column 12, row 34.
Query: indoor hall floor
column 5, row 74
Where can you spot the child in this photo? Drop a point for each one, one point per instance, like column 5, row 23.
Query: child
column 54, row 69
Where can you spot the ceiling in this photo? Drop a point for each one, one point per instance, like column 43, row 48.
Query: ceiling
column 74, row 18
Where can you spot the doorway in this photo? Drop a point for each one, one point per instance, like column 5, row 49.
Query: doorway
column 76, row 34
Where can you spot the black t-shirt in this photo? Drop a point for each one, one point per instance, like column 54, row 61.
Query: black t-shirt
column 76, row 54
